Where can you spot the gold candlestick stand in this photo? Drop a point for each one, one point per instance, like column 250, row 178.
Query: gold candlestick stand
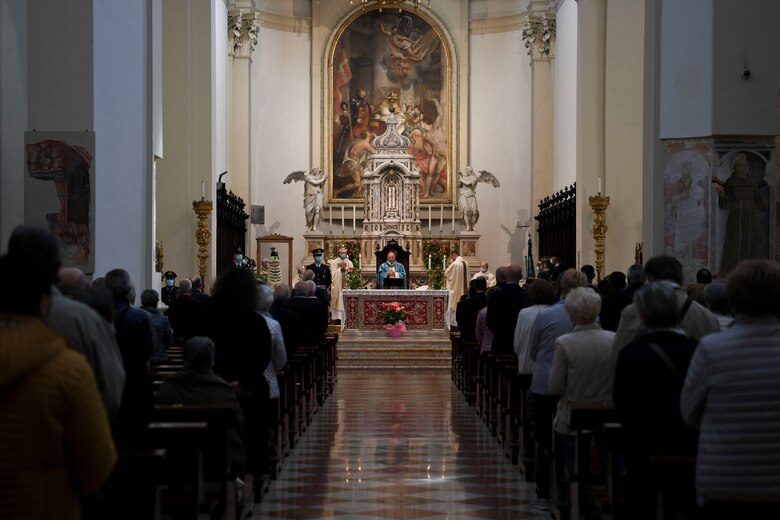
column 599, row 204
column 202, row 209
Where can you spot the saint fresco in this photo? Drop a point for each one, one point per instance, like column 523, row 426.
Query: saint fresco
column 385, row 65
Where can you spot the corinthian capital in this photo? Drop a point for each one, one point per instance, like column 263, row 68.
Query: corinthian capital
column 243, row 30
column 539, row 37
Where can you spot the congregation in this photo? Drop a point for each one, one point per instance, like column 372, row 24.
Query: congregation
column 689, row 370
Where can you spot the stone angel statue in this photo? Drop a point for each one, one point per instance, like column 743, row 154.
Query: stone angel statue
column 313, row 198
column 467, row 192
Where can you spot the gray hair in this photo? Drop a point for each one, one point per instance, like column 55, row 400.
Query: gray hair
column 716, row 297
column 282, row 293
column 150, row 298
column 311, row 288
column 198, row 354
column 583, row 305
column 301, row 288
column 658, row 306
column 266, row 297
column 185, row 286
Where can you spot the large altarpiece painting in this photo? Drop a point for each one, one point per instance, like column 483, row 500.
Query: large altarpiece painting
column 390, row 64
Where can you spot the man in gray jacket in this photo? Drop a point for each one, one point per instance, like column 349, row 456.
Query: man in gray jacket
column 732, row 395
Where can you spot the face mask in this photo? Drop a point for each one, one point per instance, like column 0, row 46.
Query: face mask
column 169, row 283
column 343, row 256
column 484, row 270
column 238, row 258
column 318, row 258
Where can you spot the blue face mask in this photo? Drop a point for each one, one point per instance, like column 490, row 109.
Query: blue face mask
column 484, row 270
column 169, row 282
column 318, row 258
column 238, row 258
column 343, row 256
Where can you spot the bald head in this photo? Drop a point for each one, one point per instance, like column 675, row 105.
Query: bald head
column 501, row 274
column 514, row 273
column 301, row 288
column 72, row 281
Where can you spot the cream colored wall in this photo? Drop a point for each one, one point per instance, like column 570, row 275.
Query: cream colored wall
column 281, row 121
column 565, row 141
column 189, row 130
column 624, row 133
column 501, row 142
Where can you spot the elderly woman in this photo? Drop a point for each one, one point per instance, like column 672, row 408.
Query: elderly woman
column 648, row 380
column 278, row 351
column 582, row 366
column 542, row 294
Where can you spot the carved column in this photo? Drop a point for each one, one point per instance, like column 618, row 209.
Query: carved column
column 243, row 36
column 539, row 37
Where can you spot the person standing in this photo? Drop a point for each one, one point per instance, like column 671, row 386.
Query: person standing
column 390, row 269
column 169, row 292
column 321, row 270
column 339, row 267
column 457, row 276
column 732, row 395
column 484, row 272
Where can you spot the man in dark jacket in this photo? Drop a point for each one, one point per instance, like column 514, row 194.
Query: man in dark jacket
column 309, row 310
column 287, row 318
column 613, row 305
column 469, row 307
column 186, row 314
column 506, row 302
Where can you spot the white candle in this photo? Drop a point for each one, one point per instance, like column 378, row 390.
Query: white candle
column 342, row 219
column 453, row 219
column 444, row 262
column 202, row 189
column 429, row 219
column 599, row 185
column 429, row 262
column 354, row 218
column 441, row 218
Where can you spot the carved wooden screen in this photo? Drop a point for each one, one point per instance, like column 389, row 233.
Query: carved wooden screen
column 557, row 226
column 231, row 226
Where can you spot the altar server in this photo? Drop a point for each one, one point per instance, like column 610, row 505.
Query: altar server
column 339, row 267
column 457, row 281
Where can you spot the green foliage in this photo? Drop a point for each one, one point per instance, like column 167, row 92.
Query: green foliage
column 437, row 250
column 353, row 249
column 354, row 278
column 436, row 278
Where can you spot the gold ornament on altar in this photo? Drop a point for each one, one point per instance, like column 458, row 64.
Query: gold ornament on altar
column 599, row 204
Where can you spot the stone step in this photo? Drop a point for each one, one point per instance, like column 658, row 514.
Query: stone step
column 376, row 350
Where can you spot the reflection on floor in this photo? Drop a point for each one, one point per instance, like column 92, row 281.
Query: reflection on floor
column 397, row 444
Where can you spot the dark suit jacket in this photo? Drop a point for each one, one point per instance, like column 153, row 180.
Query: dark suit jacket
column 186, row 316
column 291, row 326
column 321, row 274
column 313, row 324
column 506, row 302
column 613, row 304
column 466, row 315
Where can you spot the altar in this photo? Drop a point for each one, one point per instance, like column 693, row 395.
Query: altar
column 427, row 310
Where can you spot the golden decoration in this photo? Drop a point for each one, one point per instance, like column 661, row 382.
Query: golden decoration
column 203, row 209
column 599, row 204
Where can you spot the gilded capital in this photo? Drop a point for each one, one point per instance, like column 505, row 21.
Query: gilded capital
column 539, row 37
column 243, row 32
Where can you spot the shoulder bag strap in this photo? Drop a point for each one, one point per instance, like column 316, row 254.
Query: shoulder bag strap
column 685, row 307
column 667, row 361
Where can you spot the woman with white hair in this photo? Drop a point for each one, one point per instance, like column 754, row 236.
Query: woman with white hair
column 582, row 367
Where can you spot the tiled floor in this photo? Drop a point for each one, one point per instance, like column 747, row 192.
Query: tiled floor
column 397, row 444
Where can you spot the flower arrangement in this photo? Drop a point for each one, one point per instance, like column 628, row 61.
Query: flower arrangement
column 354, row 278
column 436, row 278
column 353, row 250
column 394, row 313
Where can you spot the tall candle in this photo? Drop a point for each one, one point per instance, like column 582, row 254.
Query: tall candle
column 429, row 262
column 202, row 189
column 444, row 262
column 453, row 219
column 354, row 218
column 599, row 185
column 441, row 218
column 429, row 219
column 342, row 219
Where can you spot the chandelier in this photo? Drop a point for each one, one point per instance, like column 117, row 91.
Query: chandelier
column 393, row 4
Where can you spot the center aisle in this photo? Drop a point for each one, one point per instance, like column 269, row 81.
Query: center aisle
column 397, row 444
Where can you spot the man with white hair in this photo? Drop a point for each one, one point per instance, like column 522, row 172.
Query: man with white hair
column 484, row 272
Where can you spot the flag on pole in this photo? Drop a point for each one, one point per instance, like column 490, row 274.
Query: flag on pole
column 343, row 76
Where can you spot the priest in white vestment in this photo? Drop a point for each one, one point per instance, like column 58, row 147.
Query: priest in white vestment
column 457, row 276
column 339, row 267
column 484, row 272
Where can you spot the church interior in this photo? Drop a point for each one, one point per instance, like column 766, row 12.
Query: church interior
column 523, row 137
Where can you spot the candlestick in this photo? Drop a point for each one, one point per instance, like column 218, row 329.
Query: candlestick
column 202, row 190
column 360, row 260
column 429, row 262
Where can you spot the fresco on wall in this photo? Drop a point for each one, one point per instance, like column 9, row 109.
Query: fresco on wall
column 686, row 196
column 390, row 63
column 741, row 202
column 59, row 192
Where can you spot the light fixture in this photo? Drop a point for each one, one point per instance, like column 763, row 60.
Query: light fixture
column 392, row 4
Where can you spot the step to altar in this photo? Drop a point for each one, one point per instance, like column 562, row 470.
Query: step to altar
column 376, row 350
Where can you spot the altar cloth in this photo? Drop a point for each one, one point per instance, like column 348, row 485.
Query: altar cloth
column 426, row 310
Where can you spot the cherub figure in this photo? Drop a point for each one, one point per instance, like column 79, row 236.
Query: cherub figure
column 313, row 198
column 467, row 191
